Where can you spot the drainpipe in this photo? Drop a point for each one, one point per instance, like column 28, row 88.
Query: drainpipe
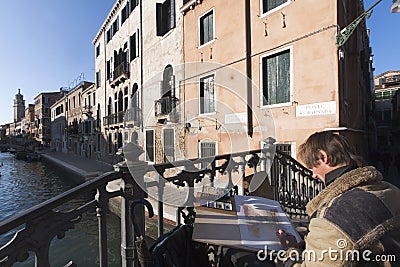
column 248, row 70
column 141, row 61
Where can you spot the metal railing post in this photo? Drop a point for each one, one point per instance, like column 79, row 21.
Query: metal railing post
column 131, row 190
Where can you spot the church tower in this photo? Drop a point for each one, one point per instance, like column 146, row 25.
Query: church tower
column 19, row 106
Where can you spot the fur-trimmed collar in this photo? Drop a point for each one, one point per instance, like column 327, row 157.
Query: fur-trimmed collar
column 342, row 184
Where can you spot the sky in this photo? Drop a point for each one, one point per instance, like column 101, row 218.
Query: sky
column 47, row 44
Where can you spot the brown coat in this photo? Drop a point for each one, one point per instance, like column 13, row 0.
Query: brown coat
column 355, row 213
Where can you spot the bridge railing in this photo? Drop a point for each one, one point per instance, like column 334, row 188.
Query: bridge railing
column 292, row 184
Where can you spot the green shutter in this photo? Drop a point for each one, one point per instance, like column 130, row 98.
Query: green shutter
column 272, row 80
column 283, row 79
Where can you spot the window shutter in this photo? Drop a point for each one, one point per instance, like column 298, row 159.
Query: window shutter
column 168, row 145
column 137, row 43
column 202, row 30
column 161, row 88
column 283, row 86
column 210, row 30
column 172, row 14
column 172, row 81
column 159, row 20
column 132, row 47
column 207, row 149
column 150, row 145
column 272, row 80
column 286, row 73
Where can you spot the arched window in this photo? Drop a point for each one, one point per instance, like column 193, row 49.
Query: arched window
column 167, row 84
column 135, row 97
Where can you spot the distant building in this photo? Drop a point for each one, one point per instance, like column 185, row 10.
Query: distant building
column 43, row 102
column 58, row 125
column 3, row 130
column 19, row 106
column 72, row 121
column 28, row 122
column 386, row 95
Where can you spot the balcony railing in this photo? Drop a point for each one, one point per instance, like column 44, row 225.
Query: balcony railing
column 292, row 184
column 120, row 74
column 113, row 119
column 133, row 115
column 165, row 105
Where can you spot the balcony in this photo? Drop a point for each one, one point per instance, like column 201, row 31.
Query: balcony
column 87, row 110
column 120, row 74
column 133, row 116
column 164, row 106
column 114, row 119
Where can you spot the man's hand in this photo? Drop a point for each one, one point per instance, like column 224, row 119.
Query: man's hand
column 288, row 240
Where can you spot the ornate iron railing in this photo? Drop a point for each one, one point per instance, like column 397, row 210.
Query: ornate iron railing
column 165, row 105
column 292, row 184
column 133, row 115
column 121, row 70
column 114, row 118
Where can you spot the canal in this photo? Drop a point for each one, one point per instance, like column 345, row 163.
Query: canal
column 23, row 185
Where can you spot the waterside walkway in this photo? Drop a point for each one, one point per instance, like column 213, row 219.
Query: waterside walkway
column 84, row 169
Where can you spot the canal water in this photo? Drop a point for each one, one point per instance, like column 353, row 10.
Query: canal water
column 23, row 185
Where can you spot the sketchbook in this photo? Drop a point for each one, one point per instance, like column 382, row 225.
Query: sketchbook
column 251, row 224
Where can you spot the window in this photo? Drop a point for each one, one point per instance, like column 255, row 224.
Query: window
column 108, row 35
column 207, row 95
column 97, row 50
column 115, row 26
column 268, row 5
column 207, row 27
column 133, row 45
column 98, row 80
column 276, row 78
column 108, row 69
column 150, row 145
column 207, row 149
column 126, row 98
column 285, row 148
column 165, row 17
column 134, row 4
column 125, row 13
column 168, row 145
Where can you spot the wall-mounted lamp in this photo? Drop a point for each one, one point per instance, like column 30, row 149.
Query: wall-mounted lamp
column 395, row 7
column 283, row 20
column 265, row 28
